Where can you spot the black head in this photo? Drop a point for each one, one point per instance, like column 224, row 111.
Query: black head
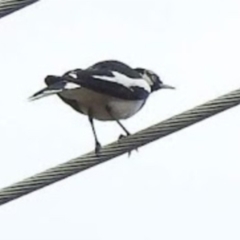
column 152, row 79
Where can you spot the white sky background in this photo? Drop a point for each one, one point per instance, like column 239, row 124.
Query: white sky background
column 185, row 186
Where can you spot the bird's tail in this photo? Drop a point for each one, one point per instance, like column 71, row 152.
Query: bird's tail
column 54, row 85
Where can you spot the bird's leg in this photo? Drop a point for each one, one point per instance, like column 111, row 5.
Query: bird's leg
column 118, row 122
column 121, row 125
column 97, row 144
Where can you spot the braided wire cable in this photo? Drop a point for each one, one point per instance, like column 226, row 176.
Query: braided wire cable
column 118, row 148
column 10, row 6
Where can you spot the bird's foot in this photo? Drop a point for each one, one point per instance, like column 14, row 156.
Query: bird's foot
column 124, row 136
column 97, row 148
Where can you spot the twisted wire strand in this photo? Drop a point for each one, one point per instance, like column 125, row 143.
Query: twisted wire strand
column 118, row 148
column 10, row 6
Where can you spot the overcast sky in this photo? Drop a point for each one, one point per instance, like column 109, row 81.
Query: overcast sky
column 185, row 186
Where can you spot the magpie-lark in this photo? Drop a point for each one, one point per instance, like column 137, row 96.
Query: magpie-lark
column 108, row 90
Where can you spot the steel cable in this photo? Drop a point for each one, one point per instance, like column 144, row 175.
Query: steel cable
column 10, row 6
column 118, row 148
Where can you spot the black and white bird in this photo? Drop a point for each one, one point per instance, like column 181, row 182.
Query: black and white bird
column 107, row 91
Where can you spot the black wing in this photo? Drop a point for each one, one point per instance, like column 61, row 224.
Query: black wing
column 88, row 79
column 113, row 65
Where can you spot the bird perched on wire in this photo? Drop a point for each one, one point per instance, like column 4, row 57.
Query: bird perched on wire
column 106, row 91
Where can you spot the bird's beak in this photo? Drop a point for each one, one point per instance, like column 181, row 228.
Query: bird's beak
column 166, row 86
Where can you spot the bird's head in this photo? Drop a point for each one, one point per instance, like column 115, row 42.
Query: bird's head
column 152, row 79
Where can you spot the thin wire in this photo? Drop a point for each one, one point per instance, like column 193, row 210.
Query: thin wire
column 125, row 145
column 10, row 6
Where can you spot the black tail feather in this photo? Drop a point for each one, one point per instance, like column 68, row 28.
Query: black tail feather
column 50, row 90
column 51, row 80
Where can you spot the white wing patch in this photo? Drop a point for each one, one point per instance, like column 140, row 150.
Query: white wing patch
column 72, row 74
column 126, row 81
column 70, row 85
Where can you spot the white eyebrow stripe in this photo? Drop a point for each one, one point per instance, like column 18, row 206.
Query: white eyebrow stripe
column 125, row 81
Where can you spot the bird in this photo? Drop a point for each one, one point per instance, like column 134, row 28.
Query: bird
column 108, row 90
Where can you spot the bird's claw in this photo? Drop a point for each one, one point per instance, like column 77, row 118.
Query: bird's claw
column 121, row 137
column 124, row 136
column 97, row 148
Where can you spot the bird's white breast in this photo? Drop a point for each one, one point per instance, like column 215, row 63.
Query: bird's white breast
column 96, row 103
column 123, row 109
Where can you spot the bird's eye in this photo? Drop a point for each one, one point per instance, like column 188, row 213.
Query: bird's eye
column 154, row 77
